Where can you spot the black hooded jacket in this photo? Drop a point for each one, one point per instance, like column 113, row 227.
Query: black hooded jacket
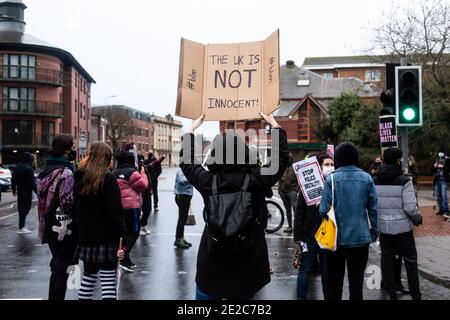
column 239, row 276
column 23, row 176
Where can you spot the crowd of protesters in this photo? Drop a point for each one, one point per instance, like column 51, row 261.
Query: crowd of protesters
column 96, row 213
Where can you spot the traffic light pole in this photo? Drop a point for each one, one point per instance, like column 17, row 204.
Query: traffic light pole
column 405, row 138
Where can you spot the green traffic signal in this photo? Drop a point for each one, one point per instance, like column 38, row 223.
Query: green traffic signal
column 408, row 91
column 409, row 114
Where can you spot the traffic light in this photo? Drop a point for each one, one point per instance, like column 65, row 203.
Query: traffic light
column 388, row 96
column 408, row 96
column 388, row 100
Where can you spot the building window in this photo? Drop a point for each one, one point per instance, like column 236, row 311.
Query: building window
column 76, row 80
column 373, row 75
column 76, row 105
column 19, row 99
column 75, row 132
column 17, row 132
column 84, row 112
column 48, row 133
column 23, row 66
column 328, row 76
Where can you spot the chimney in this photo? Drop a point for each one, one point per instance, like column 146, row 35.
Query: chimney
column 290, row 63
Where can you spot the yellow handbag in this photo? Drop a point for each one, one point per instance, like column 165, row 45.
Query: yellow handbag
column 326, row 235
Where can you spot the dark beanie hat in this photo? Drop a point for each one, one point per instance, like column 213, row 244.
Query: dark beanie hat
column 392, row 155
column 346, row 155
column 125, row 157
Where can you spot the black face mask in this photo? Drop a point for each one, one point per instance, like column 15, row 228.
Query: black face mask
column 72, row 155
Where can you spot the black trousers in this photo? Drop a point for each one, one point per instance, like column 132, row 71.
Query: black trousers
column 146, row 207
column 155, row 192
column 63, row 256
column 133, row 228
column 356, row 259
column 404, row 245
column 24, row 198
column 183, row 202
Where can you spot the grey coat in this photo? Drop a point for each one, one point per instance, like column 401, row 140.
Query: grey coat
column 397, row 203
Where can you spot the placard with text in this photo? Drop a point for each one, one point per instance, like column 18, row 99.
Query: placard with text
column 229, row 81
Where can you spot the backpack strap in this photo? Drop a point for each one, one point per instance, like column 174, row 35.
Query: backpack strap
column 246, row 182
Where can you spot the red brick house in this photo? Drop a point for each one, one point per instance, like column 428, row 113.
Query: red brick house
column 44, row 91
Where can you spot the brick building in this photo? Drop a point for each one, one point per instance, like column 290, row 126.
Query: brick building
column 99, row 126
column 44, row 91
column 167, row 139
column 140, row 125
column 366, row 68
column 305, row 97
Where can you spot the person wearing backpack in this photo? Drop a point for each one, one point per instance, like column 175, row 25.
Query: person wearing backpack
column 232, row 261
column 55, row 201
column 131, row 183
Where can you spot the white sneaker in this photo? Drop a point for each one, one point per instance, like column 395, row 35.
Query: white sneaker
column 24, row 231
column 144, row 231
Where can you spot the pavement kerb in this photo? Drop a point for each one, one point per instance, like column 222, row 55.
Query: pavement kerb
column 435, row 279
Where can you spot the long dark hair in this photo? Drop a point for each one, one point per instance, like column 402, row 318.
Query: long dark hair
column 95, row 168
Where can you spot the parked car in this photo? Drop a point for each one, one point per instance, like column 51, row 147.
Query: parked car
column 5, row 179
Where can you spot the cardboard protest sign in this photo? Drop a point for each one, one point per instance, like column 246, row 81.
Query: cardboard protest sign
column 310, row 178
column 229, row 81
column 388, row 132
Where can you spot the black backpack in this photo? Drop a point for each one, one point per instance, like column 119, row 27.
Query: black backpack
column 230, row 223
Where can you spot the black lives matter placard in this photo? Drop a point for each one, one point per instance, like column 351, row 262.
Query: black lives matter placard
column 388, row 132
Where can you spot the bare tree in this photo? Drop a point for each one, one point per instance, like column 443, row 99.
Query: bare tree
column 422, row 34
column 420, row 31
column 120, row 125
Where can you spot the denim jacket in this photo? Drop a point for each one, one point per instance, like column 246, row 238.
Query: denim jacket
column 355, row 203
column 182, row 185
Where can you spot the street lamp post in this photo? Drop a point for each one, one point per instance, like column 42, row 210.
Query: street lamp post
column 106, row 98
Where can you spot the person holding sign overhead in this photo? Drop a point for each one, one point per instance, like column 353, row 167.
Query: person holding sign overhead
column 355, row 207
column 236, row 265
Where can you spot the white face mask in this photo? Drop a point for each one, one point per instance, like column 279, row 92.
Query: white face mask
column 326, row 171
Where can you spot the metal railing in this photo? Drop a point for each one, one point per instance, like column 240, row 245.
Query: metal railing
column 32, row 74
column 32, row 107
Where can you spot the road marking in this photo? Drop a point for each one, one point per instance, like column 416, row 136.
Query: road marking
column 30, row 299
column 9, row 216
column 182, row 272
column 10, row 246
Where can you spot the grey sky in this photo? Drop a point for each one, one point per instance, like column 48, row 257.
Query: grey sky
column 131, row 47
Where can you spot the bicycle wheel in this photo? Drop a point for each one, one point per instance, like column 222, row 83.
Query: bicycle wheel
column 275, row 217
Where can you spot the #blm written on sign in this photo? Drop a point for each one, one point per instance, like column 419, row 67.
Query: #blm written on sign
column 229, row 81
column 310, row 179
column 388, row 132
